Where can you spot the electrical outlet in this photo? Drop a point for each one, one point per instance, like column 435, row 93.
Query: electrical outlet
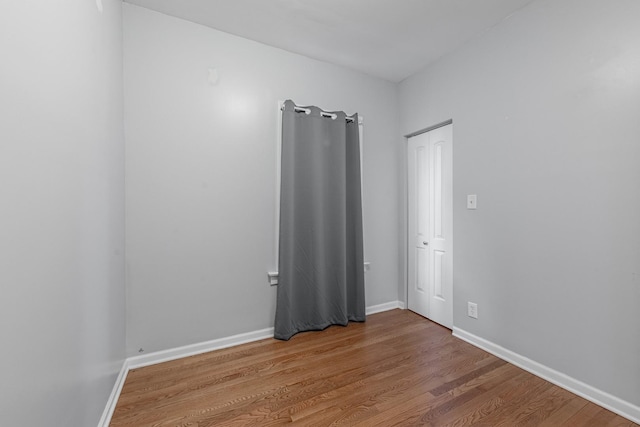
column 472, row 310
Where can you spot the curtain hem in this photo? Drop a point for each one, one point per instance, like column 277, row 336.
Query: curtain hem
column 318, row 327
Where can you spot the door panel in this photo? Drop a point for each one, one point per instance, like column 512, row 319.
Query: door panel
column 418, row 169
column 438, row 261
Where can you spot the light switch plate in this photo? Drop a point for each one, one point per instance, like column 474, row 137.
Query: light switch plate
column 472, row 201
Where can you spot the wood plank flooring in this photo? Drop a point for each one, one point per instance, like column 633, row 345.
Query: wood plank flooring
column 397, row 369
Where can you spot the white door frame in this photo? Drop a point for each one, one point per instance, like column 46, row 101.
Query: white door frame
column 407, row 237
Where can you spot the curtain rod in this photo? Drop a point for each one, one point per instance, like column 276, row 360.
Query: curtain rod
column 322, row 113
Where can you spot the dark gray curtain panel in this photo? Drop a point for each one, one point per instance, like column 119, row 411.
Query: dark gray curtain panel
column 321, row 265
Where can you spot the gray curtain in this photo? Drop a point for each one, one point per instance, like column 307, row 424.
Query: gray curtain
column 321, row 265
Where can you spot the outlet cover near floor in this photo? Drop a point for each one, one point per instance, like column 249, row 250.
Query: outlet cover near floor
column 472, row 310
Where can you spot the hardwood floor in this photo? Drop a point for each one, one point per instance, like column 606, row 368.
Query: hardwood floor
column 397, row 369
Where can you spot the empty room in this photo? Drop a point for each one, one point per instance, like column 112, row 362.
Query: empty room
column 367, row 212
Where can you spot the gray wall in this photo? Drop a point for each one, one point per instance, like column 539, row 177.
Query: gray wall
column 62, row 307
column 200, row 176
column 546, row 133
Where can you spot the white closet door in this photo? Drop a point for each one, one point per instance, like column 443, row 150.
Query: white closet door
column 430, row 168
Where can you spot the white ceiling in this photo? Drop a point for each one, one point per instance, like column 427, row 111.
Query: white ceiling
column 391, row 39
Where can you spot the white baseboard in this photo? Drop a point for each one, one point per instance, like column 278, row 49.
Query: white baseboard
column 199, row 348
column 599, row 397
column 115, row 395
column 385, row 307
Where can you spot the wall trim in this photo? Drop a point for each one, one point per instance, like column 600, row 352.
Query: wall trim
column 597, row 396
column 199, row 348
column 385, row 307
column 115, row 395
